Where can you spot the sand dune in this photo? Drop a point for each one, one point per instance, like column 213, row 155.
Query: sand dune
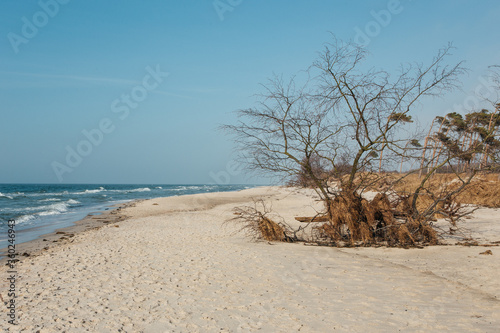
column 172, row 266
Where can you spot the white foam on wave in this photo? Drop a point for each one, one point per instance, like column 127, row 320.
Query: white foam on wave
column 180, row 188
column 48, row 210
column 25, row 219
column 92, row 191
column 100, row 189
column 5, row 196
column 44, row 194
column 144, row 189
column 192, row 187
column 50, row 199
column 55, row 209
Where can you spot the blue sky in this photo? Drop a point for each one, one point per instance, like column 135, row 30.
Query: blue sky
column 67, row 67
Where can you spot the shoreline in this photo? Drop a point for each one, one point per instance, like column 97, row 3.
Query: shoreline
column 93, row 220
column 173, row 264
column 37, row 238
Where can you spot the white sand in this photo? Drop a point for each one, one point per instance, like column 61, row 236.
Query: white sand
column 173, row 267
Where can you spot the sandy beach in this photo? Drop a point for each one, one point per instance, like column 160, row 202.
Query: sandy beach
column 173, row 265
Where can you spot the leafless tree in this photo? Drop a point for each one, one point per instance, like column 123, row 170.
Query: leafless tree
column 344, row 114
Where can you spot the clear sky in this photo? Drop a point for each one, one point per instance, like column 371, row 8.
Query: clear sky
column 85, row 96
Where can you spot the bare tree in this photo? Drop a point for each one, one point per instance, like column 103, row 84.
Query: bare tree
column 345, row 114
column 374, row 106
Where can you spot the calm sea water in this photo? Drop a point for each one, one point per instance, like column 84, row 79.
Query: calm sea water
column 39, row 209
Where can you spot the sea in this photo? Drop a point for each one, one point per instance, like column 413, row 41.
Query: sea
column 38, row 209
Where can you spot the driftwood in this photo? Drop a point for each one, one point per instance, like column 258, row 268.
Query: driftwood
column 319, row 218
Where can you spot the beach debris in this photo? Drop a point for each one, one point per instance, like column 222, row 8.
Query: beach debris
column 257, row 223
column 488, row 252
column 13, row 261
column 468, row 242
column 60, row 233
column 271, row 230
column 155, row 204
column 317, row 218
column 353, row 220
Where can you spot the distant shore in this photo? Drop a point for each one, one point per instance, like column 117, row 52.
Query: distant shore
column 175, row 264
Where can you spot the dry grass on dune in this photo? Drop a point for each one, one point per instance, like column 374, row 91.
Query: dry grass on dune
column 484, row 189
column 435, row 188
column 484, row 193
